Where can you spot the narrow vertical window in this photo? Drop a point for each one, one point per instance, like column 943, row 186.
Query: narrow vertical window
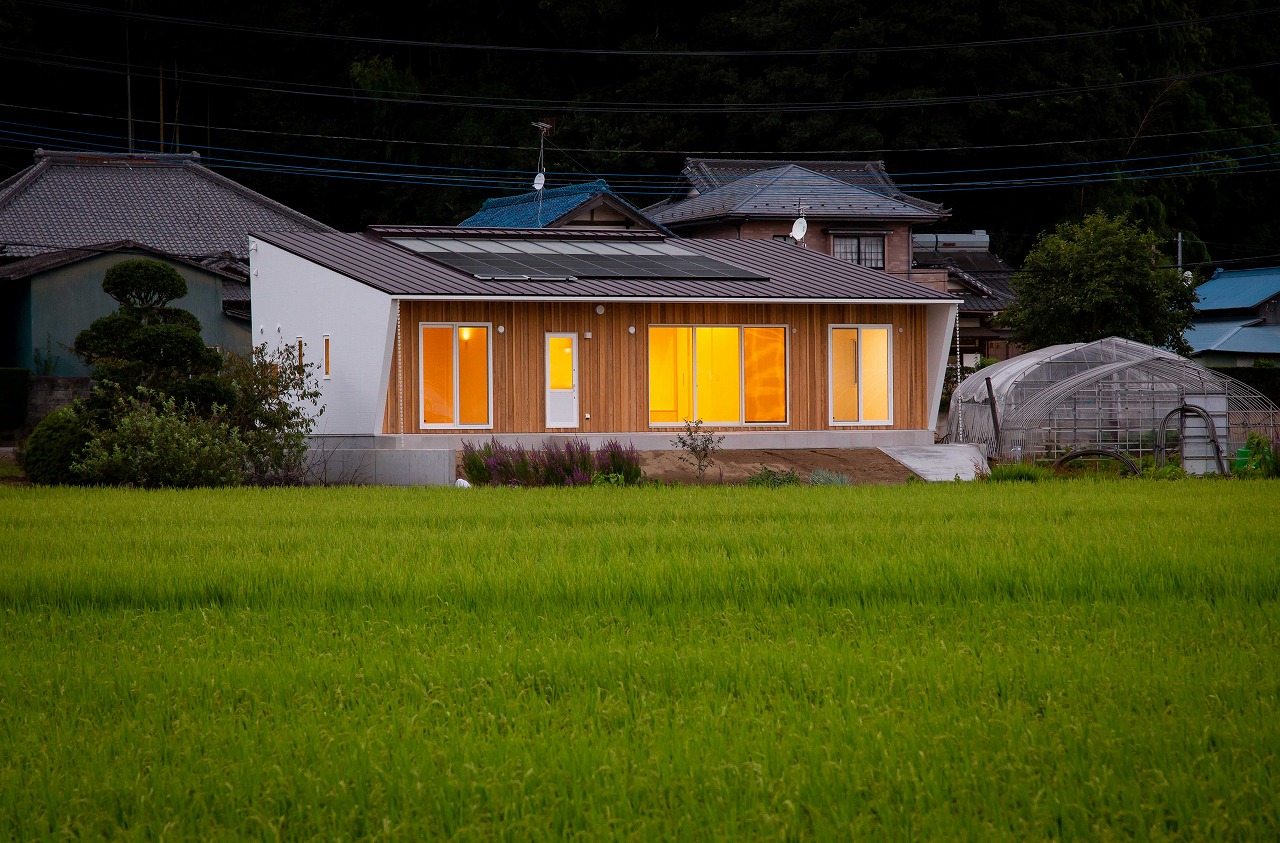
column 301, row 368
column 326, row 355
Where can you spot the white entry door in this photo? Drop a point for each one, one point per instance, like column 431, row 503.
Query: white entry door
column 562, row 380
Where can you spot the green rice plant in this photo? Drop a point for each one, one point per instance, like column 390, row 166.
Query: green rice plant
column 1018, row 472
column 1086, row 660
column 822, row 477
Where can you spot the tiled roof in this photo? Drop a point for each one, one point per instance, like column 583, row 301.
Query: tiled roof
column 791, row 273
column 709, row 173
column 783, row 190
column 1238, row 289
column 27, row 267
column 168, row 202
column 985, row 277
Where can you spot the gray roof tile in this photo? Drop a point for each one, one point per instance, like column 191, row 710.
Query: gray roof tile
column 782, row 190
column 170, row 203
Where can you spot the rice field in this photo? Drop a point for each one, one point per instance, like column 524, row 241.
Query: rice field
column 971, row 661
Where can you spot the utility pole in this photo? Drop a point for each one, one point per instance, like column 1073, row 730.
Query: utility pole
column 1179, row 252
column 162, row 107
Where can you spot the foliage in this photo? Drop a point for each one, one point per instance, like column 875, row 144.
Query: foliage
column 54, row 444
column 699, row 446
column 773, row 478
column 274, row 406
column 146, row 343
column 564, row 464
column 1099, row 278
column 1263, row 458
column 722, row 663
column 155, row 443
column 822, row 477
column 1264, row 363
column 45, row 362
column 568, row 463
column 143, row 284
column 1017, row 472
column 614, row 459
column 14, row 386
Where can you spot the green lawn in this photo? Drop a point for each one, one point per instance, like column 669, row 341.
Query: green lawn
column 958, row 661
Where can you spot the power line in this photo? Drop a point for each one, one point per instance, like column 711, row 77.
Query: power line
column 796, row 154
column 529, row 104
column 670, row 182
column 825, row 51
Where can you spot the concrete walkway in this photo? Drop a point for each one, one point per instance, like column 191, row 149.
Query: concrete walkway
column 941, row 462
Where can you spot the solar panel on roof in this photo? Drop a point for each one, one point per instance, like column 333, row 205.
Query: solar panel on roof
column 552, row 264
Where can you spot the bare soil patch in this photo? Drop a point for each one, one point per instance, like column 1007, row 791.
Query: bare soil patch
column 860, row 465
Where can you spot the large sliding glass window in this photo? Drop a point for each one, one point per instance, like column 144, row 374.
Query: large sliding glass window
column 860, row 374
column 720, row 374
column 457, row 378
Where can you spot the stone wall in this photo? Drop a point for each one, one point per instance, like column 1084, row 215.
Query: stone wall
column 49, row 393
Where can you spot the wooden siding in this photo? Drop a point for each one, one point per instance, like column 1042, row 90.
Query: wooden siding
column 613, row 363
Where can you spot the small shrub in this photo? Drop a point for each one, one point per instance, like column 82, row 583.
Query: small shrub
column 772, row 478
column 570, row 464
column 156, row 444
column 822, row 477
column 608, row 479
column 614, row 459
column 53, row 446
column 1018, row 472
column 1263, row 459
column 1264, row 363
column 475, row 465
column 699, row 446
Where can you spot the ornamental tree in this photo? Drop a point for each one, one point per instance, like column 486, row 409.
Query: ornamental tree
column 145, row 342
column 1101, row 277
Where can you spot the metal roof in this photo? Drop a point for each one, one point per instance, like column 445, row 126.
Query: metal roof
column 787, row 273
column 783, row 191
column 1234, row 336
column 986, row 278
column 170, row 203
column 1238, row 289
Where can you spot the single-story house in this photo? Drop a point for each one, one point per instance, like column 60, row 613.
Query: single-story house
column 1237, row 318
column 48, row 299
column 426, row 337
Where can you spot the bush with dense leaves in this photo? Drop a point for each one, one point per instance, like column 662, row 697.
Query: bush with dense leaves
column 155, row 443
column 53, row 446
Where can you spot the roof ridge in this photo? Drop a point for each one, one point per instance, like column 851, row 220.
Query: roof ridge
column 254, row 196
column 563, row 190
column 19, row 183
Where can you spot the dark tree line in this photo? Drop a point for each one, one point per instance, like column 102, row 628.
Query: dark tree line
column 946, row 120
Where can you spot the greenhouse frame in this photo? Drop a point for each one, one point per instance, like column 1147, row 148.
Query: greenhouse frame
column 1112, row 397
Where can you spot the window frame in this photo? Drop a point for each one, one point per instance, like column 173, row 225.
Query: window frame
column 742, row 373
column 326, row 367
column 884, row 249
column 831, row 396
column 456, row 327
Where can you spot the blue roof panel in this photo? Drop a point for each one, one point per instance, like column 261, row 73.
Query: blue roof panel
column 1204, row 335
column 531, row 210
column 1238, row 289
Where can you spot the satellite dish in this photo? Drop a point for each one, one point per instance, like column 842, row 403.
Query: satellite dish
column 539, row 181
column 799, row 229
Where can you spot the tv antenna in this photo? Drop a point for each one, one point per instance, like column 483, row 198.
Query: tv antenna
column 540, row 180
column 800, row 227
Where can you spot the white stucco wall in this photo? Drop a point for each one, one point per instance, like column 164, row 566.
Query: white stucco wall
column 292, row 298
column 941, row 325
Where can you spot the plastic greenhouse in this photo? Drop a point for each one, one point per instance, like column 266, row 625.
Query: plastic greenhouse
column 1113, row 397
